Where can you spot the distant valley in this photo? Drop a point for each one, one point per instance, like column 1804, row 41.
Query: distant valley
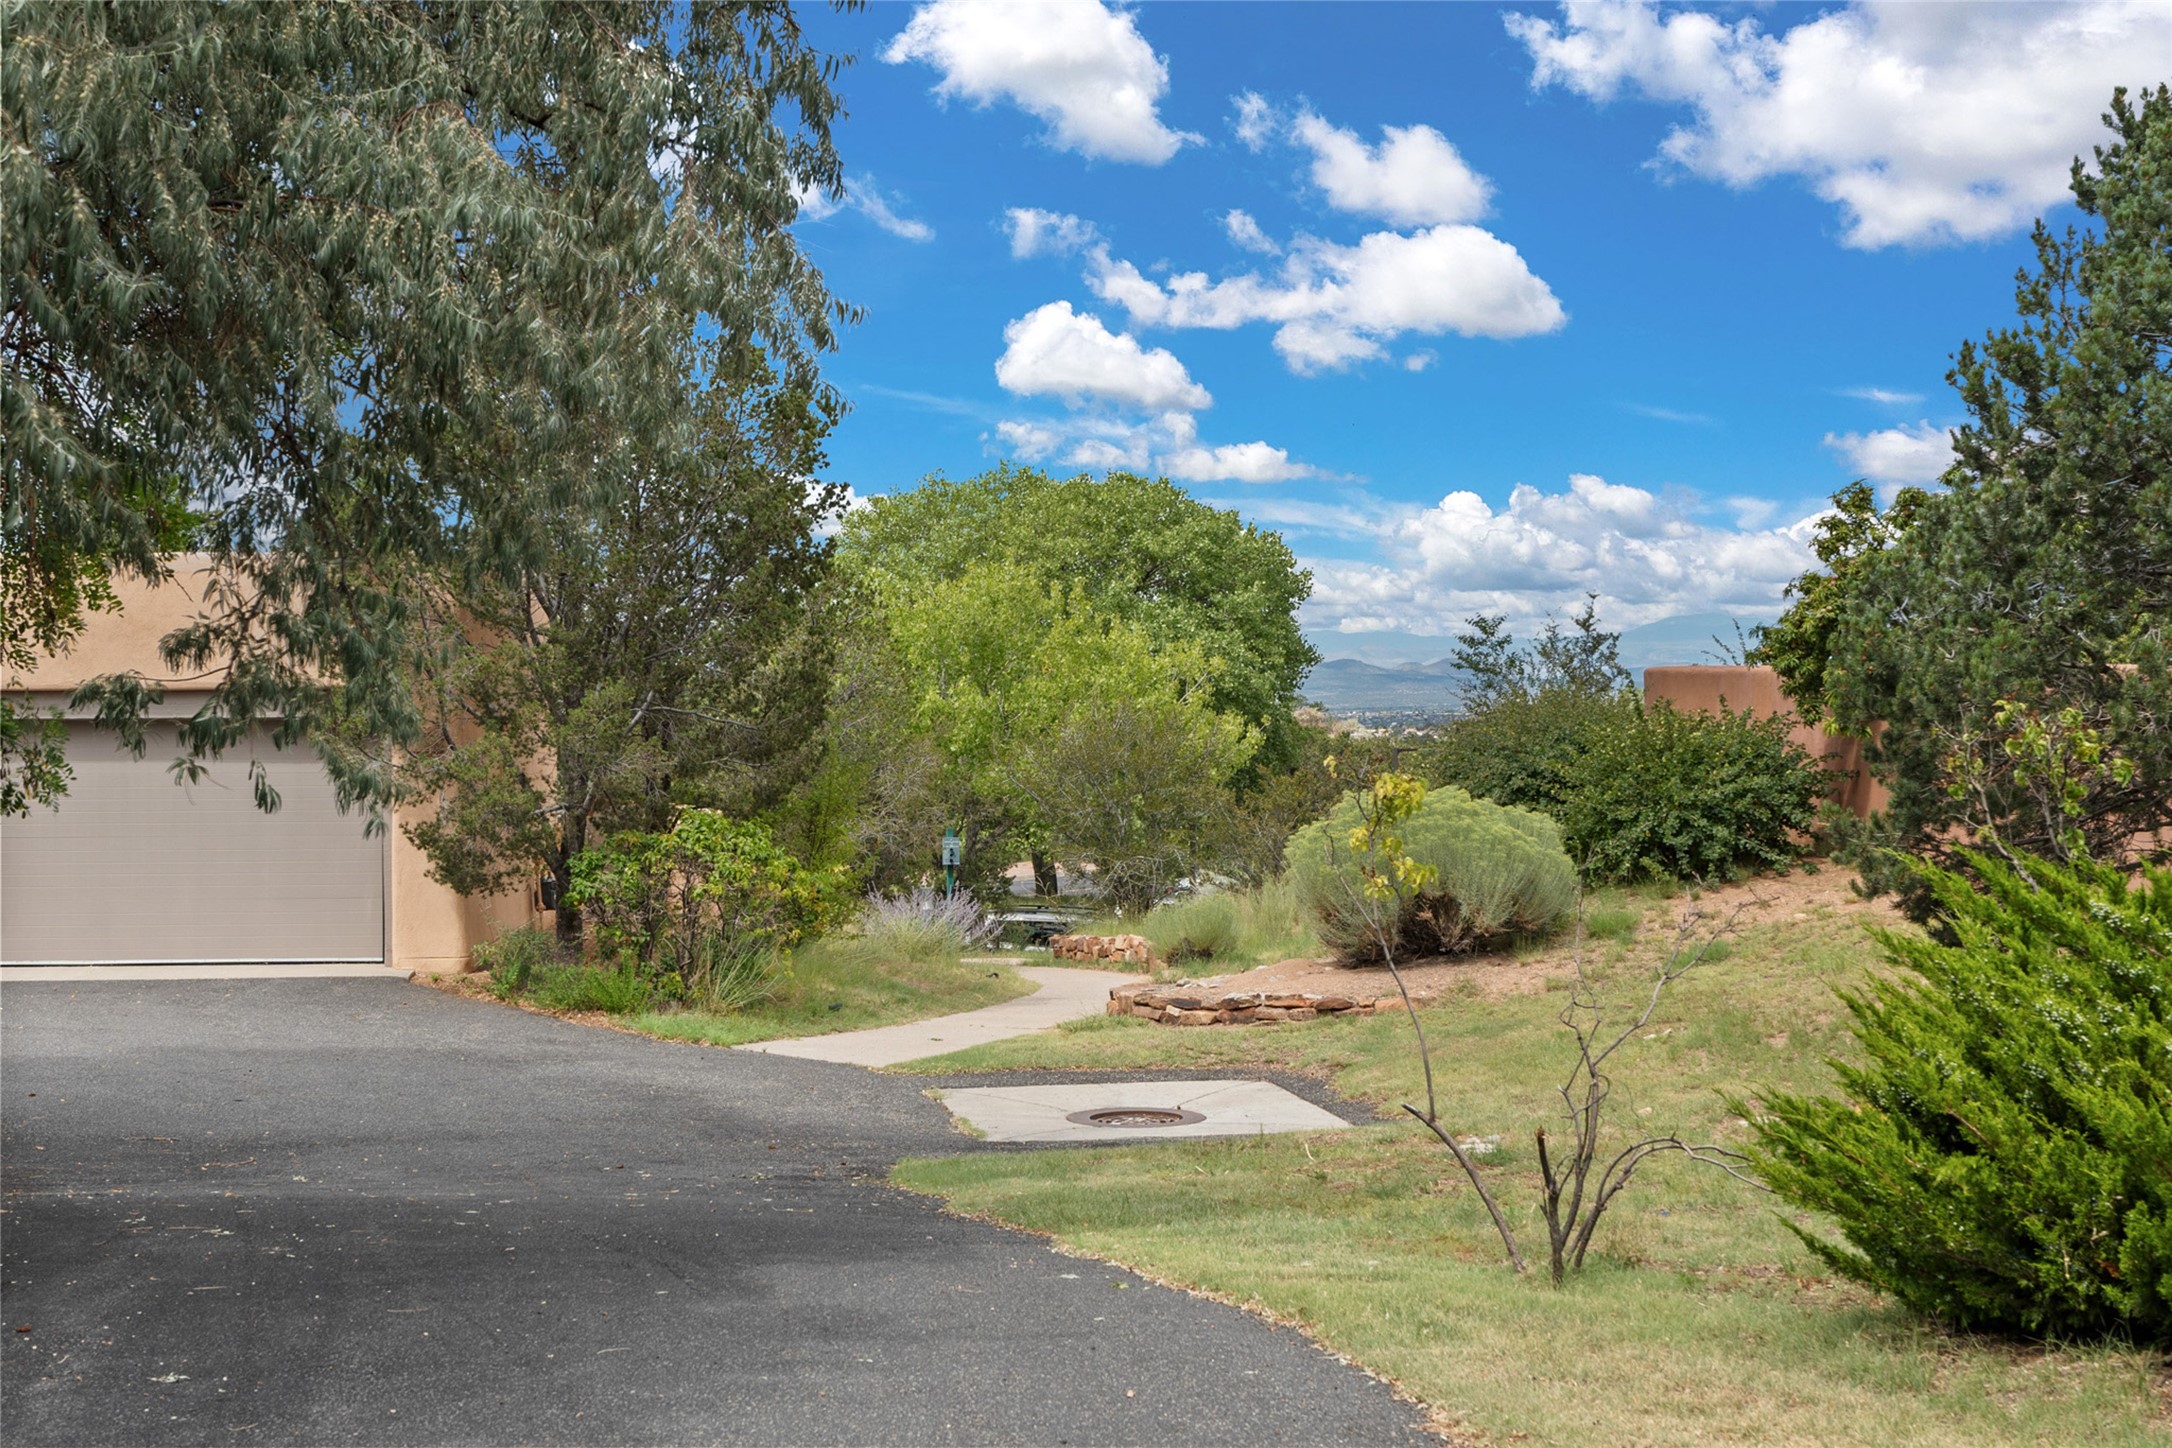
column 1382, row 693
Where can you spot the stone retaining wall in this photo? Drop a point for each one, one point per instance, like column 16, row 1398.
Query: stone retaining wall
column 1131, row 949
column 1182, row 1005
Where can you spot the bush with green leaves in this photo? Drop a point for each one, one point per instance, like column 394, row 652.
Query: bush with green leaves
column 660, row 899
column 1671, row 796
column 1523, row 750
column 512, row 960
column 530, row 965
column 2003, row 1161
column 619, row 990
column 1641, row 793
column 1498, row 872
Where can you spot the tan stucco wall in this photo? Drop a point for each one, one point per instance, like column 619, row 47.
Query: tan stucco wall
column 1754, row 689
column 126, row 642
column 431, row 928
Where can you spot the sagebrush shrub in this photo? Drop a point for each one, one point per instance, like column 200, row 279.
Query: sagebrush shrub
column 1198, row 928
column 2003, row 1161
column 1498, row 872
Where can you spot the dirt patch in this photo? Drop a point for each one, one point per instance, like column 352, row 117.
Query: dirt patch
column 1769, row 900
column 1490, row 976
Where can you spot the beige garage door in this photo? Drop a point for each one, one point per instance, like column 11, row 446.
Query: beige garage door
column 135, row 868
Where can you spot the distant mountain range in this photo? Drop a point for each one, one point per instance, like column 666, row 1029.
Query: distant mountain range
column 1352, row 686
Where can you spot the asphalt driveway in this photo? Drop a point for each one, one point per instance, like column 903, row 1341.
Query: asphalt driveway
column 356, row 1211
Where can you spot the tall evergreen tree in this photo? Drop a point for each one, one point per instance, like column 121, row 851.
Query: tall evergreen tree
column 350, row 273
column 2042, row 575
column 662, row 650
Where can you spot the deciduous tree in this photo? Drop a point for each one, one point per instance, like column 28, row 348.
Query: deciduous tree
column 346, row 271
column 1140, row 550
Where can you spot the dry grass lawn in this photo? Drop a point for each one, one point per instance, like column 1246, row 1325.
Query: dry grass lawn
column 1701, row 1319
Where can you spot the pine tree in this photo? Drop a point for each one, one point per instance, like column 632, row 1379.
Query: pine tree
column 667, row 651
column 2042, row 576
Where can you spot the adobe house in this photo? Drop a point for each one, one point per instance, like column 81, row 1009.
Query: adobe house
column 1755, row 689
column 135, row 868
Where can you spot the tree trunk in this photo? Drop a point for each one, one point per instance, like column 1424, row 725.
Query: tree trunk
column 568, row 916
column 572, row 835
column 1045, row 881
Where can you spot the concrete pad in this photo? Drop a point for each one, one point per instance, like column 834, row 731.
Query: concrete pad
column 1226, row 1108
column 1064, row 995
column 233, row 970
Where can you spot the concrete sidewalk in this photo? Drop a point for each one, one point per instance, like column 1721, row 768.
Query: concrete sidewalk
column 1064, row 995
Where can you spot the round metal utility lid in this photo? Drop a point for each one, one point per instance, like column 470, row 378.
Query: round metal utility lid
column 1135, row 1116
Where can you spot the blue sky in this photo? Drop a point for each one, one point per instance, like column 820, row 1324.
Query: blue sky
column 1518, row 301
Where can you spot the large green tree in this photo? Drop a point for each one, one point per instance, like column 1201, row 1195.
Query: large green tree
column 2040, row 580
column 1017, row 712
column 662, row 650
column 389, row 287
column 1140, row 549
column 1799, row 644
column 984, row 595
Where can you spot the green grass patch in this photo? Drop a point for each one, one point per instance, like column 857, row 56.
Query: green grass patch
column 833, row 986
column 1612, row 923
column 1700, row 1318
column 1222, row 930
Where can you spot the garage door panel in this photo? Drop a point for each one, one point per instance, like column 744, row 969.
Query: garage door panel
column 133, row 867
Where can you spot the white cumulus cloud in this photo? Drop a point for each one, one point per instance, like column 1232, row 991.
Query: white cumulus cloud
column 865, row 197
column 1034, row 232
column 1896, row 455
column 1241, row 462
column 1644, row 555
column 1337, row 305
column 1077, row 64
column 1167, row 445
column 1246, row 232
column 1924, row 123
column 1414, row 177
column 1256, row 121
column 1054, row 351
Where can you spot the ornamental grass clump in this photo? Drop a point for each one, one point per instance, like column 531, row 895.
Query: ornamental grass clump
column 917, row 926
column 1200, row 927
column 2003, row 1161
column 1496, row 873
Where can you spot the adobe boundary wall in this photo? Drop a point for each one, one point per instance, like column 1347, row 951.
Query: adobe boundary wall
column 1755, row 689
